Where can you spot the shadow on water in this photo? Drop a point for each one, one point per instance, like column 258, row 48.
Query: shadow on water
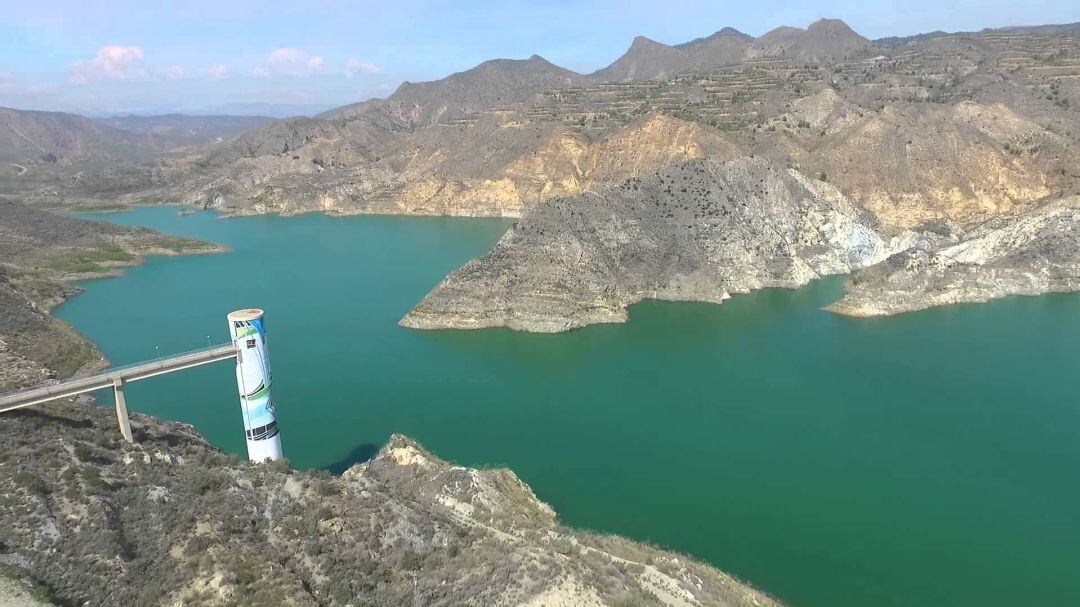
column 360, row 453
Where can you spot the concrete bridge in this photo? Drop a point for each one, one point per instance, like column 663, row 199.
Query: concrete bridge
column 115, row 378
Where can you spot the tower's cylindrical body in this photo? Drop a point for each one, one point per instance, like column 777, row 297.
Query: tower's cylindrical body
column 253, row 378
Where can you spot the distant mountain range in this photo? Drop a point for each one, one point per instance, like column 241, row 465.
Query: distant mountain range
column 508, row 134
column 58, row 138
column 52, row 138
column 186, row 128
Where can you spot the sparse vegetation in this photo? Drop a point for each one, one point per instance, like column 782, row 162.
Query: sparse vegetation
column 172, row 520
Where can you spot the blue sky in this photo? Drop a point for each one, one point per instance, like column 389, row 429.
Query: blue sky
column 145, row 56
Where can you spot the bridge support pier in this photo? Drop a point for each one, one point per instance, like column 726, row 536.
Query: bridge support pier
column 121, row 410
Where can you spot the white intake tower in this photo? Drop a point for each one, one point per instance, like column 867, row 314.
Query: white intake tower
column 253, row 378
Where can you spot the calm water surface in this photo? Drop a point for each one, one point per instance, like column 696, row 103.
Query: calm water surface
column 932, row 458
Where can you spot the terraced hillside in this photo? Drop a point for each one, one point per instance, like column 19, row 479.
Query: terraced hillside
column 932, row 135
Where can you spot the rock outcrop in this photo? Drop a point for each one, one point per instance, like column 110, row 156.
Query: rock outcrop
column 701, row 231
column 498, row 167
column 915, row 164
column 168, row 520
column 1029, row 255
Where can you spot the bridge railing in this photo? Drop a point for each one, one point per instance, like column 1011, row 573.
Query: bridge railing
column 61, row 385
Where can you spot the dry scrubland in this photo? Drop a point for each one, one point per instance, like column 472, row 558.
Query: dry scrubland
column 935, row 169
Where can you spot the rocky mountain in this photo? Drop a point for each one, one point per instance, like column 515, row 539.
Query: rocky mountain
column 500, row 166
column 29, row 139
column 1032, row 254
column 448, row 147
column 827, row 40
column 702, row 231
column 916, row 164
column 492, row 83
column 650, row 60
column 184, row 129
column 937, row 135
column 1064, row 28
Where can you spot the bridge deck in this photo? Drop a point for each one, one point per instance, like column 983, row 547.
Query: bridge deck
column 108, row 378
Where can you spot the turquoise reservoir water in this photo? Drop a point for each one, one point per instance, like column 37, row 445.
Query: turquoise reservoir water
column 928, row 459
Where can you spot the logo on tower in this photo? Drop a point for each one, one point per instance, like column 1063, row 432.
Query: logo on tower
column 254, row 380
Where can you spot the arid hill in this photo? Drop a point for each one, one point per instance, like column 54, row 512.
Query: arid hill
column 92, row 520
column 41, row 256
column 702, row 231
column 648, row 60
column 934, row 134
column 469, row 127
column 55, row 138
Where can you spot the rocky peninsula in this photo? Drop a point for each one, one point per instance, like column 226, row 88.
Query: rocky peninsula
column 699, row 231
column 1032, row 254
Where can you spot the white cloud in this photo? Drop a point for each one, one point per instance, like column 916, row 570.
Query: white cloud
column 217, row 72
column 175, row 73
column 354, row 67
column 287, row 61
column 116, row 62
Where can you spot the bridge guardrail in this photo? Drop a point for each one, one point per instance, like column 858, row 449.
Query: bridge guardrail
column 106, row 376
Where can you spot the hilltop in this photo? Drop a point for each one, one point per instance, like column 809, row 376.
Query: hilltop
column 933, row 135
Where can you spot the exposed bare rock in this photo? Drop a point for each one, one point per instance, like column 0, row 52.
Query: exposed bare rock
column 170, row 521
column 953, row 128
column 497, row 167
column 652, row 143
column 825, row 110
column 913, row 164
column 1029, row 255
column 701, row 231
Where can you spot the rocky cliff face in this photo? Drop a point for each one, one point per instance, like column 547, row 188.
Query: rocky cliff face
column 497, row 167
column 701, row 231
column 1028, row 255
column 916, row 164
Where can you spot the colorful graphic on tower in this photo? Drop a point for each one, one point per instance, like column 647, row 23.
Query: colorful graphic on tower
column 254, row 380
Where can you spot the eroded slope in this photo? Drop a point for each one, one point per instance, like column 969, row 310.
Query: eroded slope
column 1029, row 255
column 700, row 231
